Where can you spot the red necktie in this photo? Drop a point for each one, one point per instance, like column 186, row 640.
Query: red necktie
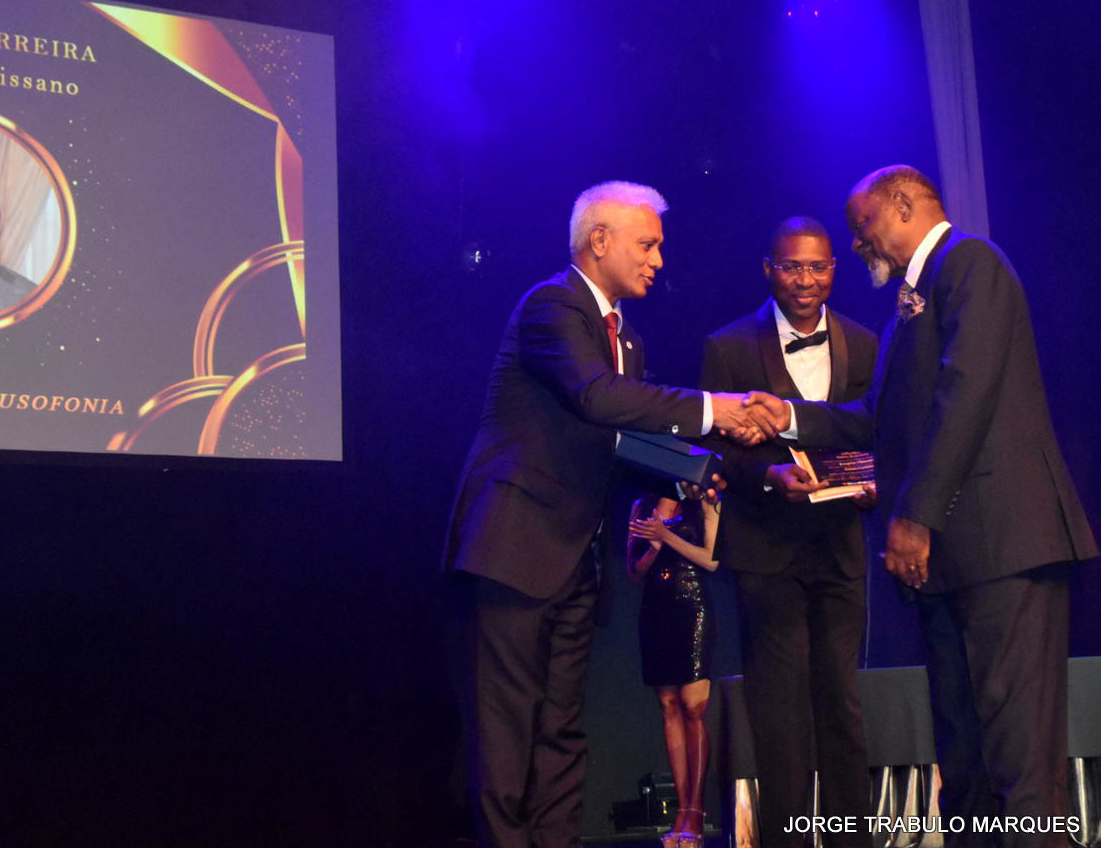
column 611, row 321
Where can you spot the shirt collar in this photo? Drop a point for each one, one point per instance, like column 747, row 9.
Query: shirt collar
column 784, row 328
column 601, row 301
column 917, row 261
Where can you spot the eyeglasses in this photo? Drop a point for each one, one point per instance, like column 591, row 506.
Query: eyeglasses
column 816, row 269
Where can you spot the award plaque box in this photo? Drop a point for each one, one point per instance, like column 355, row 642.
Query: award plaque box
column 668, row 457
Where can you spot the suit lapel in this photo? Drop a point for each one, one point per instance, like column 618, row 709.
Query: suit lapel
column 631, row 344
column 889, row 340
column 592, row 311
column 839, row 359
column 768, row 340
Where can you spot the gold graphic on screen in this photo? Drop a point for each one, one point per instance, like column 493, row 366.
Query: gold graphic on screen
column 37, row 224
column 200, row 49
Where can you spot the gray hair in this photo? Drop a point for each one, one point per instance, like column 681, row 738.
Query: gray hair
column 590, row 208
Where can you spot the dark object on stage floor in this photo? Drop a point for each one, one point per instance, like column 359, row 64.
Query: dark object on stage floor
column 656, row 806
column 668, row 457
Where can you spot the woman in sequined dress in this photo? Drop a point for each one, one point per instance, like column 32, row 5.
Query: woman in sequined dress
column 669, row 547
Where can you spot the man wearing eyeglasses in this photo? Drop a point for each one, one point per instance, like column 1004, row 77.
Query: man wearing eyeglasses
column 799, row 566
column 981, row 517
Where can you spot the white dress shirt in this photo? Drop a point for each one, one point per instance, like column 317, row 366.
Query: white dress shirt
column 810, row 367
column 917, row 261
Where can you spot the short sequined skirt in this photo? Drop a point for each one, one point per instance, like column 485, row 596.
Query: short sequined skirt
column 676, row 626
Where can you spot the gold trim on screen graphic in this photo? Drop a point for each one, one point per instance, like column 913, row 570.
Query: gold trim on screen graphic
column 211, row 317
column 198, row 47
column 166, row 399
column 212, row 429
column 224, row 388
column 53, row 278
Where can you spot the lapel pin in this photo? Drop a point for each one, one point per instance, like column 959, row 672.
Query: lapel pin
column 630, row 346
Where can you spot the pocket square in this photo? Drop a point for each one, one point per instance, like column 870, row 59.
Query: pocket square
column 910, row 303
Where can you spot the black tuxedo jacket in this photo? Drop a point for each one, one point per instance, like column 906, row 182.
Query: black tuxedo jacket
column 960, row 425
column 535, row 483
column 761, row 531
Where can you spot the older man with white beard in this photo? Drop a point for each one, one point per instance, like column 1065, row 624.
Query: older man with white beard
column 982, row 519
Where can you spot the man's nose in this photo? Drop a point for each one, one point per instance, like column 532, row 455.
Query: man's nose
column 655, row 259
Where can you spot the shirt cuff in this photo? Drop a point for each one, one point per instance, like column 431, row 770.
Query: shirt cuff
column 791, row 432
column 708, row 414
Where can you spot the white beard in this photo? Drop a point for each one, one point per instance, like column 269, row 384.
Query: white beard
column 880, row 272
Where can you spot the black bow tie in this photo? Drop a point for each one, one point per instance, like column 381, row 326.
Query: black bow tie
column 807, row 341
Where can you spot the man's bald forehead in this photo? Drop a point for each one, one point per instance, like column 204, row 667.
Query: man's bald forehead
column 884, row 182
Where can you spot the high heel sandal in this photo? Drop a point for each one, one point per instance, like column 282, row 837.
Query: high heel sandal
column 687, row 839
column 671, row 837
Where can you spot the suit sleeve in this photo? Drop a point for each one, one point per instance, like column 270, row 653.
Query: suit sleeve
column 978, row 305
column 743, row 468
column 847, row 425
column 558, row 346
column 844, row 426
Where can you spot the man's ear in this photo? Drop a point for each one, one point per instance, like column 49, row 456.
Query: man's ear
column 598, row 240
column 766, row 266
column 903, row 204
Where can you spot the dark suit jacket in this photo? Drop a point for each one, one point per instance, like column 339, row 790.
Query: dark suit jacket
column 959, row 421
column 536, row 480
column 13, row 287
column 761, row 531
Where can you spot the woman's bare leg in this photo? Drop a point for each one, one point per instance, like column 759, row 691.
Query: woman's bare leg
column 672, row 720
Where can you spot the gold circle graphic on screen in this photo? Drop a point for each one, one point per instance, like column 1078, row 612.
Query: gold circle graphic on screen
column 206, row 383
column 37, row 224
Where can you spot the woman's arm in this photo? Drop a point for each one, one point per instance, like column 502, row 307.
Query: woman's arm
column 655, row 529
column 640, row 554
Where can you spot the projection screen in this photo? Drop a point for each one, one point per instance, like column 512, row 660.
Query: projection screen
column 168, row 235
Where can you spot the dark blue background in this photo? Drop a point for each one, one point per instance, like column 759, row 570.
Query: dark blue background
column 233, row 655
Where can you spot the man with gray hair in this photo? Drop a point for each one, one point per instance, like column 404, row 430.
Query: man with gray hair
column 531, row 500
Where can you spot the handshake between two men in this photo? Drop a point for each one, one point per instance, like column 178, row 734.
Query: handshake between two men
column 750, row 418
column 754, row 417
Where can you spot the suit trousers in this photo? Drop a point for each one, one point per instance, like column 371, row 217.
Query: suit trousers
column 997, row 662
column 801, row 632
column 524, row 686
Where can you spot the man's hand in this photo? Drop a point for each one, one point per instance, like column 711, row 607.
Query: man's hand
column 867, row 498
column 791, row 481
column 712, row 495
column 731, row 414
column 907, row 554
column 762, row 404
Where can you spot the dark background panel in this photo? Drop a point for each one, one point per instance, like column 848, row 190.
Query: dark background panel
column 242, row 655
column 1038, row 80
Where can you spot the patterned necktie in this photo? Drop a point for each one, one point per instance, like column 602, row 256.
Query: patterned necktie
column 611, row 321
column 806, row 341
